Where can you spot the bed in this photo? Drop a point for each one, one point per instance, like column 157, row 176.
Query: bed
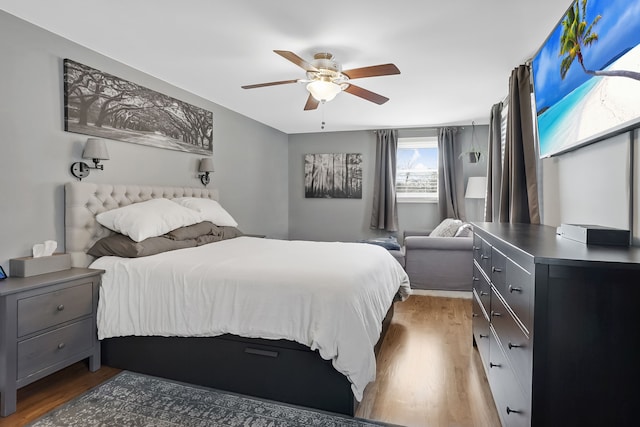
column 238, row 323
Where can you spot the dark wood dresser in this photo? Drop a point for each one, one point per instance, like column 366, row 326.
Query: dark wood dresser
column 557, row 327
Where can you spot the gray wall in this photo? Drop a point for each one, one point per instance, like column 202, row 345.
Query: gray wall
column 592, row 185
column 348, row 219
column 250, row 158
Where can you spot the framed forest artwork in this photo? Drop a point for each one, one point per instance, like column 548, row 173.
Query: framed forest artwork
column 106, row 106
column 333, row 176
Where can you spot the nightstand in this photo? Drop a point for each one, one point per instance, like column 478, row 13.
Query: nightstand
column 48, row 322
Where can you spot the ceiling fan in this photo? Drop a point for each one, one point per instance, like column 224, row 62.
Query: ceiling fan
column 325, row 78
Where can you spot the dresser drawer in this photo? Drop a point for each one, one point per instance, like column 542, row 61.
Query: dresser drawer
column 485, row 258
column 513, row 407
column 518, row 292
column 481, row 332
column 50, row 309
column 514, row 342
column 482, row 288
column 42, row 351
column 477, row 247
column 498, row 268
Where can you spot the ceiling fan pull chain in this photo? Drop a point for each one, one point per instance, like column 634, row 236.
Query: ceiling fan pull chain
column 322, row 112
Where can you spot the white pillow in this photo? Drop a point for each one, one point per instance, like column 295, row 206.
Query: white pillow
column 151, row 218
column 465, row 230
column 209, row 210
column 447, row 228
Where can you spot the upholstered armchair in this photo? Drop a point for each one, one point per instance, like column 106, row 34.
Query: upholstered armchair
column 438, row 263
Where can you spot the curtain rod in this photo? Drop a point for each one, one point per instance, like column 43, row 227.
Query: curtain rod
column 431, row 128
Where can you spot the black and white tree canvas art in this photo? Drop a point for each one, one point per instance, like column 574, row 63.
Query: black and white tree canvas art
column 102, row 105
column 333, row 176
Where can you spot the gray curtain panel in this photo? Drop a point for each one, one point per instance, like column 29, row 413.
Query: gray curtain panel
column 450, row 176
column 384, row 215
column 519, row 192
column 494, row 164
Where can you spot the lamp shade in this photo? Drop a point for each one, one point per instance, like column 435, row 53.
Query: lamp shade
column 95, row 148
column 323, row 91
column 476, row 187
column 206, row 165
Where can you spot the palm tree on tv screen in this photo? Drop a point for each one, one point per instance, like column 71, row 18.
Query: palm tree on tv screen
column 577, row 35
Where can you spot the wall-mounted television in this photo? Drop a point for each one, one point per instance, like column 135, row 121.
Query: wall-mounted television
column 586, row 75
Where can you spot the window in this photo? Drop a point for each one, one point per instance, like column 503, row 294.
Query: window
column 417, row 169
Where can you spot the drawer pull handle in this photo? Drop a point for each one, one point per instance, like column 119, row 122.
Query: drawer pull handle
column 512, row 411
column 514, row 289
column 61, row 346
column 484, row 336
column 476, row 248
column 495, row 314
column 483, row 293
column 476, row 279
column 484, row 257
column 474, row 314
column 60, row 307
column 494, row 365
column 513, row 345
column 496, row 270
column 259, row 352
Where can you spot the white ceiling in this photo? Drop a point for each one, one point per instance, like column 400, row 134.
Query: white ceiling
column 455, row 56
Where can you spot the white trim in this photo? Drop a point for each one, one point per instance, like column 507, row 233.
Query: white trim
column 441, row 294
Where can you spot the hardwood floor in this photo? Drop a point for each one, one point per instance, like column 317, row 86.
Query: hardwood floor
column 428, row 373
column 40, row 397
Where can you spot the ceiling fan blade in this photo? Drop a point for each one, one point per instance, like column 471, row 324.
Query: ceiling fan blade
column 282, row 82
column 373, row 71
column 311, row 104
column 366, row 94
column 296, row 60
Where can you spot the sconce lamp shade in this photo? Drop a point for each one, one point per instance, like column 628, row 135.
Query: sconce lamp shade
column 476, row 187
column 323, row 91
column 95, row 148
column 206, row 165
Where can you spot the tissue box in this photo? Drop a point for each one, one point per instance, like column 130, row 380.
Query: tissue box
column 29, row 266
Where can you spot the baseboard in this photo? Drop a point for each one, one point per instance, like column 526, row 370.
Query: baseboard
column 442, row 294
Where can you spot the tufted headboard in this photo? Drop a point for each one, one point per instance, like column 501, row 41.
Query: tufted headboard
column 84, row 200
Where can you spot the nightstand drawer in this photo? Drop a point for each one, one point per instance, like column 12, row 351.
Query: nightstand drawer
column 50, row 309
column 48, row 349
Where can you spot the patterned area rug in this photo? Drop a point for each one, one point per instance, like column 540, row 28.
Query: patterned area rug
column 130, row 399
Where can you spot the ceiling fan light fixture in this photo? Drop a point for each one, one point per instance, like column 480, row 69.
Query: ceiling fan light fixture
column 323, row 90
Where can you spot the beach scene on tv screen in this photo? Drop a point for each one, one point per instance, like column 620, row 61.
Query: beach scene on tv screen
column 587, row 74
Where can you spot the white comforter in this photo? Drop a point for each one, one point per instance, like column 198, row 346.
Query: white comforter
column 328, row 296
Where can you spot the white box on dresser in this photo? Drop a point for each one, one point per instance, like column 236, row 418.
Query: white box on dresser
column 554, row 322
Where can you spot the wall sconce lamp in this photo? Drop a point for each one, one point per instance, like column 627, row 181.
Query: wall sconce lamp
column 206, row 166
column 94, row 149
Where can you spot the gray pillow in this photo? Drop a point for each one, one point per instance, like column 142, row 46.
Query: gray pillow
column 122, row 246
column 191, row 231
column 218, row 234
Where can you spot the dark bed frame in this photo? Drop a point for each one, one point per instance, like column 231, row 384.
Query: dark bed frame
column 279, row 370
